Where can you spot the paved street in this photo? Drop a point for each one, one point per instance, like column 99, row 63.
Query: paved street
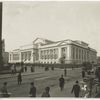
column 42, row 79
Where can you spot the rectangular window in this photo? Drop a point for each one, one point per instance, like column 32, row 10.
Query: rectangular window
column 73, row 53
column 29, row 55
column 41, row 53
column 79, row 54
column 82, row 55
column 63, row 52
column 15, row 56
column 10, row 56
column 76, row 53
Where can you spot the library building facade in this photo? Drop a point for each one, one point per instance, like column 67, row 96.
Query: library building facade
column 49, row 52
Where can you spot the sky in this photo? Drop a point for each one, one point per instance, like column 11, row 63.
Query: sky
column 23, row 21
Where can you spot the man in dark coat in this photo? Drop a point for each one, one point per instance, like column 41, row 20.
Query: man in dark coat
column 25, row 68
column 76, row 89
column 19, row 78
column 4, row 91
column 83, row 73
column 61, row 82
column 46, row 92
column 97, row 73
column 65, row 72
column 32, row 90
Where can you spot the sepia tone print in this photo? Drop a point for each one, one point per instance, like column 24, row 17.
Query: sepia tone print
column 49, row 49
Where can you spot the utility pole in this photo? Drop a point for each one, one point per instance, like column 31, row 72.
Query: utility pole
column 1, row 58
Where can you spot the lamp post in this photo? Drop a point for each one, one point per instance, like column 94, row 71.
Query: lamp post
column 63, row 62
column 33, row 57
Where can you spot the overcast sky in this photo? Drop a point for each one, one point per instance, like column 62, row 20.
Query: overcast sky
column 25, row 21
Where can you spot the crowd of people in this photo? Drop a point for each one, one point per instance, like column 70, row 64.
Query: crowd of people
column 46, row 93
column 33, row 90
column 76, row 88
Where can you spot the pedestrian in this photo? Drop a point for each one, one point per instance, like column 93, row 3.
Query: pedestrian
column 25, row 68
column 22, row 69
column 61, row 82
column 4, row 91
column 46, row 92
column 76, row 89
column 19, row 78
column 86, row 92
column 52, row 68
column 12, row 69
column 90, row 86
column 65, row 72
column 97, row 73
column 15, row 69
column 32, row 90
column 31, row 69
column 83, row 73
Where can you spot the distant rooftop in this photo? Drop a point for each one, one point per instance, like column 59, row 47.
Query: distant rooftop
column 48, row 43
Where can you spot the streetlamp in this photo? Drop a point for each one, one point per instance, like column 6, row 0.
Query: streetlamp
column 33, row 57
column 63, row 62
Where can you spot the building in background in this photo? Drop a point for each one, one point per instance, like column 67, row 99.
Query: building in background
column 47, row 51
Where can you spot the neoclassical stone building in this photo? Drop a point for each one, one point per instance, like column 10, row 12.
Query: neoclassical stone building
column 47, row 51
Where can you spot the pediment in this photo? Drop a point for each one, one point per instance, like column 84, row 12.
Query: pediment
column 38, row 40
column 42, row 41
column 63, row 43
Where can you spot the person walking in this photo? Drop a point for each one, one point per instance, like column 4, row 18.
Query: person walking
column 83, row 73
column 32, row 90
column 97, row 73
column 19, row 78
column 46, row 92
column 32, row 69
column 25, row 68
column 15, row 69
column 4, row 91
column 76, row 89
column 61, row 82
column 65, row 72
column 12, row 69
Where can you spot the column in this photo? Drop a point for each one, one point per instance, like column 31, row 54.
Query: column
column 12, row 57
column 59, row 52
column 39, row 52
column 69, row 54
column 20, row 58
column 9, row 57
column 32, row 58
